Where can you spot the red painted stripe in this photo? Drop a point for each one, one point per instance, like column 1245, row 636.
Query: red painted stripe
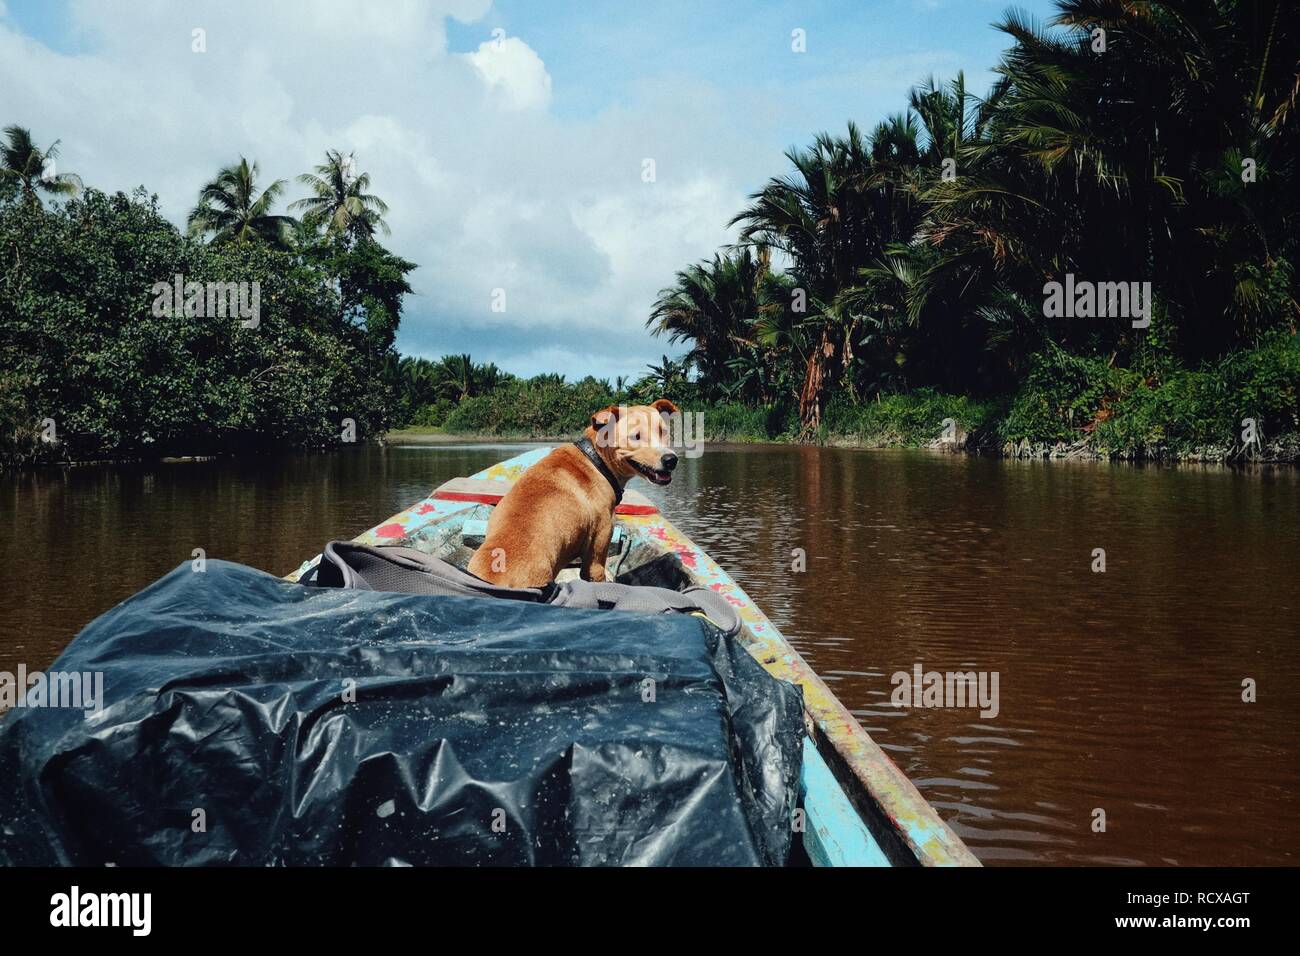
column 468, row 496
column 485, row 499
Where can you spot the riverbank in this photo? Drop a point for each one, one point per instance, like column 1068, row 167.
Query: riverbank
column 975, row 435
column 1190, row 417
column 1244, row 406
column 1283, row 451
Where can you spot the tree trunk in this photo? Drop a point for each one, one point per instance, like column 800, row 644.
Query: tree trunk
column 812, row 397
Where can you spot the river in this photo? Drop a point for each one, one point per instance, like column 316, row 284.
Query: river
column 1119, row 691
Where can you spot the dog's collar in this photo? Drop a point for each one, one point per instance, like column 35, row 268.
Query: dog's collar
column 585, row 446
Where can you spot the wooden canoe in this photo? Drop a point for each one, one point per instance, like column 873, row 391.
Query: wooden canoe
column 859, row 808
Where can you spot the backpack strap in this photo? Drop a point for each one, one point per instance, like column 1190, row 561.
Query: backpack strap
column 345, row 564
column 613, row 596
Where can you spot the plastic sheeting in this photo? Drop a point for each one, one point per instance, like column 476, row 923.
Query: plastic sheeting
column 256, row 722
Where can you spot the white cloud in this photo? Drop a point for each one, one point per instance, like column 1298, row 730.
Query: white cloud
column 488, row 188
column 514, row 71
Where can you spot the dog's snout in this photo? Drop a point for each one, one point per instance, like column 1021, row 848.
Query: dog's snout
column 669, row 461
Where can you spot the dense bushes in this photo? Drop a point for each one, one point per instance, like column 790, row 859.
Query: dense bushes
column 742, row 423
column 548, row 407
column 543, row 406
column 1166, row 412
column 1201, row 413
column 1172, row 412
column 912, row 419
column 1061, row 394
column 82, row 343
column 1083, row 403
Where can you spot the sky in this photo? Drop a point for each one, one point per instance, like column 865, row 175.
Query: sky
column 510, row 139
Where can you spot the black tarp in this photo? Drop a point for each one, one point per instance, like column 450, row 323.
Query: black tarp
column 252, row 721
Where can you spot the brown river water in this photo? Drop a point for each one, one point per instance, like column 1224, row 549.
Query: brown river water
column 1118, row 691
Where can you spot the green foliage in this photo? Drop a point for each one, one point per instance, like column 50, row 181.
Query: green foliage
column 433, row 415
column 733, row 422
column 1200, row 413
column 534, row 408
column 31, row 171
column 340, row 204
column 19, row 427
column 86, row 341
column 669, row 379
column 718, row 306
column 911, row 420
column 547, row 407
column 1181, row 413
column 1170, row 159
column 1064, row 398
column 231, row 210
column 429, row 390
column 1061, row 394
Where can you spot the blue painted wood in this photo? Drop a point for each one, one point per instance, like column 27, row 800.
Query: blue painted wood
column 834, row 834
column 512, row 468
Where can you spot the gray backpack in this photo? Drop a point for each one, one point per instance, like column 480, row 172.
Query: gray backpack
column 347, row 565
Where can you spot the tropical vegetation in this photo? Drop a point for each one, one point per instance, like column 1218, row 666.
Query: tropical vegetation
column 891, row 286
column 28, row 171
column 230, row 209
column 93, row 365
column 1124, row 142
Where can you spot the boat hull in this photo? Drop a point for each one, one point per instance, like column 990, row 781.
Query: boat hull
column 859, row 808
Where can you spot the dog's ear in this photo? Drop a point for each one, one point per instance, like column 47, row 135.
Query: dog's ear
column 606, row 416
column 663, row 406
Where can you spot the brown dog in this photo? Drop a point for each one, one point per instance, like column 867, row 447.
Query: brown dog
column 563, row 506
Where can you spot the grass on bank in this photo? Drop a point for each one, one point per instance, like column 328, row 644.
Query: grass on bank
column 1159, row 412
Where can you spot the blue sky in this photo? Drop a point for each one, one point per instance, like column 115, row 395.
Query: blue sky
column 512, row 165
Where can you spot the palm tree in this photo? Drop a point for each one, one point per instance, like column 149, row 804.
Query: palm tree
column 487, row 378
column 231, row 209
column 831, row 218
column 32, row 169
column 1129, row 164
column 341, row 203
column 755, row 376
column 714, row 305
column 668, row 377
column 455, row 377
column 1122, row 166
column 916, row 310
column 418, row 381
column 547, row 380
column 945, row 117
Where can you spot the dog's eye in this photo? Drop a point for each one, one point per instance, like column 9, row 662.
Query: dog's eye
column 635, row 436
